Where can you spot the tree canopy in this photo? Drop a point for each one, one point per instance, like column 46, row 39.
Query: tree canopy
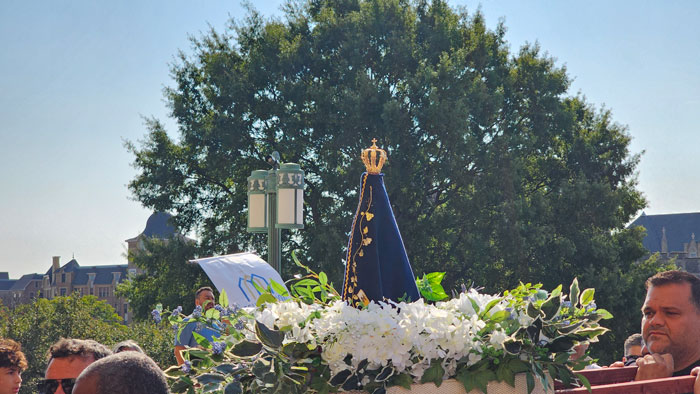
column 496, row 173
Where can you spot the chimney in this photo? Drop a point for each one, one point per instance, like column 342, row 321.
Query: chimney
column 56, row 262
column 664, row 241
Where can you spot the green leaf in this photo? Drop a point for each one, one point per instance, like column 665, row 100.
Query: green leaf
column 571, row 328
column 532, row 311
column 556, row 291
column 340, row 377
column 517, row 365
column 201, row 341
column 208, row 378
column 323, row 278
column 474, row 305
column 259, row 288
column 306, row 282
column 229, row 369
column 433, row 374
column 603, row 314
column 268, row 337
column 212, row 314
column 573, row 292
column 434, row 277
column 246, row 349
column 530, row 382
column 403, row 380
column 182, row 384
column 264, row 298
column 513, row 346
column 384, row 374
column 584, row 381
column 260, row 367
column 490, row 305
column 198, row 353
column 561, row 344
column 499, row 316
column 233, row 388
column 223, row 298
column 466, row 377
column 278, row 288
column 587, row 296
column 483, row 377
column 550, row 308
column 505, row 374
column 592, row 332
column 295, row 350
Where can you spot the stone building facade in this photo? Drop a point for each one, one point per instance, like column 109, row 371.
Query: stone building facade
column 673, row 237
column 98, row 280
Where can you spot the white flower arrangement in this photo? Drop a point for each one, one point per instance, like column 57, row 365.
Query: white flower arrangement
column 312, row 344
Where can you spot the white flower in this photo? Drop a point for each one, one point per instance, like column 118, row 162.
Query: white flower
column 498, row 338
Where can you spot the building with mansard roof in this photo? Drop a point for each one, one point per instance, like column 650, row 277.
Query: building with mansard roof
column 98, row 280
column 673, row 236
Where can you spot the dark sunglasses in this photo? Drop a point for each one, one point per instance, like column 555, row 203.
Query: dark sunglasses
column 631, row 360
column 49, row 386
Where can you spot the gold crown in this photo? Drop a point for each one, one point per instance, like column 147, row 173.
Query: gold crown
column 369, row 157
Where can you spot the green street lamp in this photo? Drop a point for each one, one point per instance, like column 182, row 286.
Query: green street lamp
column 276, row 202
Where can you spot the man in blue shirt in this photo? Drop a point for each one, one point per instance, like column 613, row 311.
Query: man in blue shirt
column 204, row 300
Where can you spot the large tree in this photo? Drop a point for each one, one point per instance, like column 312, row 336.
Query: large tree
column 497, row 174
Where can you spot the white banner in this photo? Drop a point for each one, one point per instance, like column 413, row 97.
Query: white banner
column 236, row 273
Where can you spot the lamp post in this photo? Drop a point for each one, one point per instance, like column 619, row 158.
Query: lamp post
column 275, row 202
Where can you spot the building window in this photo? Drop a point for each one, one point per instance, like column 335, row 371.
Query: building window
column 92, row 291
column 126, row 309
column 63, row 278
column 103, row 292
column 63, row 291
column 31, row 295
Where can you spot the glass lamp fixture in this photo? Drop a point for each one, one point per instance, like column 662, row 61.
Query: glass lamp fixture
column 257, row 202
column 290, row 196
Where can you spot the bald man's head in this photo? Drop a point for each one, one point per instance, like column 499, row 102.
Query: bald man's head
column 122, row 373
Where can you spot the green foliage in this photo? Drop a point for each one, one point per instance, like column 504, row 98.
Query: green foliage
column 39, row 324
column 497, row 173
column 430, row 286
column 168, row 278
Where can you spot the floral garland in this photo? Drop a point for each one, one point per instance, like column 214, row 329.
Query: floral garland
column 314, row 342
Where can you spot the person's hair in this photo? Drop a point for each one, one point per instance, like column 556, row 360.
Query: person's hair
column 67, row 347
column 677, row 277
column 201, row 289
column 633, row 340
column 127, row 373
column 127, row 345
column 11, row 355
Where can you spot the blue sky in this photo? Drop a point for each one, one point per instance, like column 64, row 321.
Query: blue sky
column 76, row 78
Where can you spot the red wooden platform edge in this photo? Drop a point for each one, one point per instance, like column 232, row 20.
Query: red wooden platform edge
column 673, row 385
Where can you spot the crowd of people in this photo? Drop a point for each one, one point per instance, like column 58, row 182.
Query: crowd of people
column 668, row 345
column 84, row 366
